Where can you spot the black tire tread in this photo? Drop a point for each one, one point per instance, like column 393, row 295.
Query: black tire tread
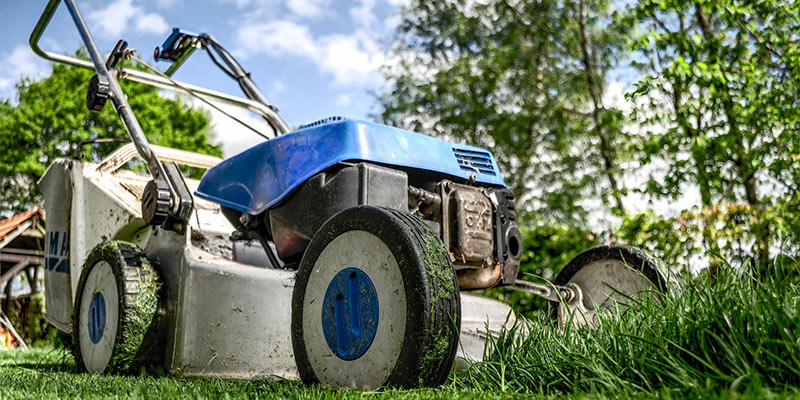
column 135, row 347
column 429, row 348
column 445, row 300
column 634, row 257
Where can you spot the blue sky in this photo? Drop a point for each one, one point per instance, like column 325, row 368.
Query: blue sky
column 311, row 58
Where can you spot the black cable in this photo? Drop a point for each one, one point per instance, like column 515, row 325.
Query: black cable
column 191, row 92
column 228, row 58
column 239, row 74
column 220, row 66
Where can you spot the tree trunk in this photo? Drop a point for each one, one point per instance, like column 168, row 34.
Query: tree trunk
column 595, row 92
column 742, row 157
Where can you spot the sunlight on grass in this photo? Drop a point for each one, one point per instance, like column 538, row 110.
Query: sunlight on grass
column 723, row 336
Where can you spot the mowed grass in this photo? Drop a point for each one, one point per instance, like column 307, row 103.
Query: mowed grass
column 49, row 373
column 728, row 336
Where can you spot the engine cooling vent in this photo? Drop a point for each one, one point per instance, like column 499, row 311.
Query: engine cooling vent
column 475, row 161
column 323, row 121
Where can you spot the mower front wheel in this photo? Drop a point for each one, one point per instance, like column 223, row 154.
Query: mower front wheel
column 375, row 303
column 115, row 314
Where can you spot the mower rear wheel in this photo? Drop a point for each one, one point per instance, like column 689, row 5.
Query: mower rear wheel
column 375, row 303
column 610, row 276
column 116, row 304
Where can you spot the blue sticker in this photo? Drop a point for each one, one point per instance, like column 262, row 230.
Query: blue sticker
column 57, row 257
column 350, row 313
column 97, row 317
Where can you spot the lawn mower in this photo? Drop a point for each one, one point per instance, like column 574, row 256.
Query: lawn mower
column 338, row 252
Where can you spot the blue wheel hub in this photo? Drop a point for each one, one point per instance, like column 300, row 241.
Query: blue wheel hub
column 350, row 313
column 97, row 317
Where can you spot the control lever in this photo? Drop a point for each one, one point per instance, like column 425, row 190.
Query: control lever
column 116, row 54
column 99, row 90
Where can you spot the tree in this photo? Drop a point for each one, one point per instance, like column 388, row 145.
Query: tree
column 720, row 86
column 523, row 78
column 50, row 118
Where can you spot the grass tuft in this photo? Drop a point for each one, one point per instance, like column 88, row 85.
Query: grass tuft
column 722, row 336
column 728, row 333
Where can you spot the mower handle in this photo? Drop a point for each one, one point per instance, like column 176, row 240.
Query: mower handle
column 170, row 202
column 147, row 78
column 117, row 96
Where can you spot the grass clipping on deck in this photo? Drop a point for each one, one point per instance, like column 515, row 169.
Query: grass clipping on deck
column 440, row 274
column 139, row 347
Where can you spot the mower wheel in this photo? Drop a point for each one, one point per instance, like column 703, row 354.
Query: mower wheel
column 610, row 276
column 116, row 305
column 375, row 303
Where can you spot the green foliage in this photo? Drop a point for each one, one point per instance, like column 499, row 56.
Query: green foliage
column 679, row 240
column 49, row 118
column 719, row 92
column 672, row 240
column 714, row 110
column 524, row 79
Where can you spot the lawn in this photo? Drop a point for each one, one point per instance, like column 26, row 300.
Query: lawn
column 729, row 336
column 49, row 372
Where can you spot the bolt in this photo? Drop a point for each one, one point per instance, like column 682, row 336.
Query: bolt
column 569, row 295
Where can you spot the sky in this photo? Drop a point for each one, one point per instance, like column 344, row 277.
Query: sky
column 311, row 58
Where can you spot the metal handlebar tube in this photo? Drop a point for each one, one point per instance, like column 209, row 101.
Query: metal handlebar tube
column 265, row 111
column 181, row 44
column 245, row 82
column 177, row 201
column 121, row 105
column 249, row 88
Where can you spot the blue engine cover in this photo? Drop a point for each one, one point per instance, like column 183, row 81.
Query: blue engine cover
column 260, row 177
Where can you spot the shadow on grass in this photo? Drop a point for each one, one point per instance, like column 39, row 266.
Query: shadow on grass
column 47, row 359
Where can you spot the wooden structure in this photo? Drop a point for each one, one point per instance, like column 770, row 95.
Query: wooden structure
column 22, row 239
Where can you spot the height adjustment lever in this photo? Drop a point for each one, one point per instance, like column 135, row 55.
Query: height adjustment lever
column 98, row 93
column 99, row 90
column 116, row 54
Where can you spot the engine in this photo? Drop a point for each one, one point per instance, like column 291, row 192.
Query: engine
column 476, row 223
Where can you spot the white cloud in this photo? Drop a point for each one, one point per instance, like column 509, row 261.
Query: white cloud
column 362, row 14
column 20, row 62
column 232, row 136
column 152, row 23
column 114, row 19
column 259, row 9
column 279, row 37
column 166, row 3
column 308, row 8
column 350, row 59
column 343, row 100
column 258, row 4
